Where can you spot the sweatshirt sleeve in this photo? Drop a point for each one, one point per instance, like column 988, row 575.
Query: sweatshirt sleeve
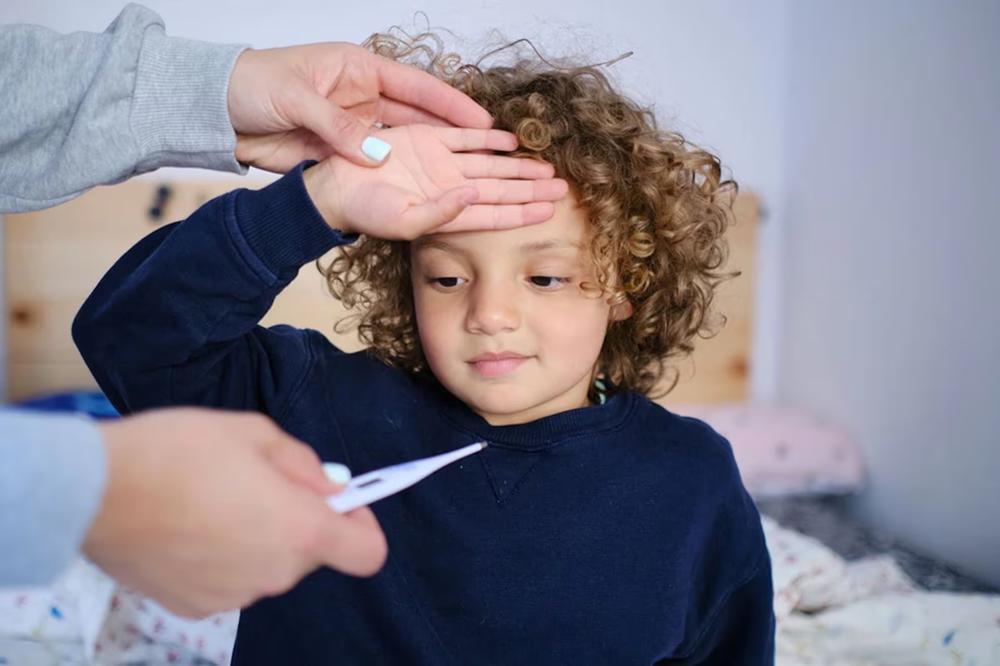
column 742, row 629
column 175, row 320
column 52, row 477
column 86, row 109
column 730, row 616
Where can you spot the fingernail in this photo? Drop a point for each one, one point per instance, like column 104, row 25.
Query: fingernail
column 337, row 473
column 375, row 149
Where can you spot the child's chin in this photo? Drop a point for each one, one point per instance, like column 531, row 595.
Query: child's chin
column 498, row 406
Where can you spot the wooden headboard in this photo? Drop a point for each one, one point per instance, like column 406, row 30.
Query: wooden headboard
column 53, row 259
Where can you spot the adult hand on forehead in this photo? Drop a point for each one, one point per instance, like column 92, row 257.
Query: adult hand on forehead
column 435, row 180
column 309, row 102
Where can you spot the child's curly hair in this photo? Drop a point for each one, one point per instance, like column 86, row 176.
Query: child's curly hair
column 658, row 207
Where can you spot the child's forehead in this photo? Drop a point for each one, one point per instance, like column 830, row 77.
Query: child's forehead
column 566, row 232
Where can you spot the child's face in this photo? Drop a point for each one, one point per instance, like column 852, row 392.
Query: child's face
column 516, row 294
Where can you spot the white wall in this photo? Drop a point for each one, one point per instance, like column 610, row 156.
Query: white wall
column 891, row 273
column 713, row 67
column 3, row 325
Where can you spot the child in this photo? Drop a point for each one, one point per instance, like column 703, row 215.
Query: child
column 597, row 528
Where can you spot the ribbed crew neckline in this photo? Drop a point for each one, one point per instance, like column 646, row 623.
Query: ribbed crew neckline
column 541, row 433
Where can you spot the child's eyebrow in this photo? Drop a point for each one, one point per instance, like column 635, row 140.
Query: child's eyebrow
column 435, row 244
column 551, row 244
column 533, row 246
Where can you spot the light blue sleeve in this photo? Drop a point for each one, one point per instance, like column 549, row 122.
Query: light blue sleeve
column 86, row 109
column 53, row 470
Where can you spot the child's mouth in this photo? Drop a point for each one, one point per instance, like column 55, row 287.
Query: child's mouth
column 497, row 365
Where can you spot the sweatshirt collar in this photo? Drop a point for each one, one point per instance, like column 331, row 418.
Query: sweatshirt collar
column 541, row 433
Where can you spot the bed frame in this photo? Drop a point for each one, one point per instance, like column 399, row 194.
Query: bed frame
column 53, row 259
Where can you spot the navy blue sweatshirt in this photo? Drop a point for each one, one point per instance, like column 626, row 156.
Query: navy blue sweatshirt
column 611, row 534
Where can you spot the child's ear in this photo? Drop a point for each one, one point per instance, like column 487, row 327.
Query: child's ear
column 621, row 311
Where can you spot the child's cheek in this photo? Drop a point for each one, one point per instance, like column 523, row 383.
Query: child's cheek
column 576, row 329
column 435, row 325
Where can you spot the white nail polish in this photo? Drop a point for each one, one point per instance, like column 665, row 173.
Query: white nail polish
column 375, row 149
column 337, row 473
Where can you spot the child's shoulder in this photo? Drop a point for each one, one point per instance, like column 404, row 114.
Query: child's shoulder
column 354, row 371
column 687, row 441
column 698, row 471
column 686, row 461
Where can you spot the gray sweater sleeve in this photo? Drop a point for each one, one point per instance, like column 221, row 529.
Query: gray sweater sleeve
column 87, row 109
column 77, row 111
column 52, row 477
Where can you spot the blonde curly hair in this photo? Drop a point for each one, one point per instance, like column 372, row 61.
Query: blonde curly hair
column 658, row 209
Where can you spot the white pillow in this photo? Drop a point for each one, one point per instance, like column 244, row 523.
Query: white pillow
column 784, row 450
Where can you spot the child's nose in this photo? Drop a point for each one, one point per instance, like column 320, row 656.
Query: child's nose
column 492, row 310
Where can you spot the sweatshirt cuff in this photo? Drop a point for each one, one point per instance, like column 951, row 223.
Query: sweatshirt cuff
column 51, row 486
column 180, row 106
column 281, row 228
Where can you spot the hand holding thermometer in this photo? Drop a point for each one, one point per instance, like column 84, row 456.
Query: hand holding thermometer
column 376, row 485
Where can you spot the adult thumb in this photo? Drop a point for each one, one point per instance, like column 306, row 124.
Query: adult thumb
column 341, row 130
column 300, row 464
column 352, row 543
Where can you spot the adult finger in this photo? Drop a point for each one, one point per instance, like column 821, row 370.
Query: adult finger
column 282, row 151
column 505, row 191
column 294, row 459
column 352, row 543
column 460, row 139
column 481, row 165
column 493, row 218
column 394, row 114
column 186, row 610
column 300, row 464
column 342, row 130
column 419, row 89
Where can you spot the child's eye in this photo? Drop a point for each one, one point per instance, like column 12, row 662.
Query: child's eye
column 548, row 281
column 447, row 282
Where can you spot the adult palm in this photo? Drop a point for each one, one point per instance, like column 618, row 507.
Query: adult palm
column 312, row 101
column 436, row 179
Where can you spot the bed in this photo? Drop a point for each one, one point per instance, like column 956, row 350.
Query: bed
column 843, row 594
